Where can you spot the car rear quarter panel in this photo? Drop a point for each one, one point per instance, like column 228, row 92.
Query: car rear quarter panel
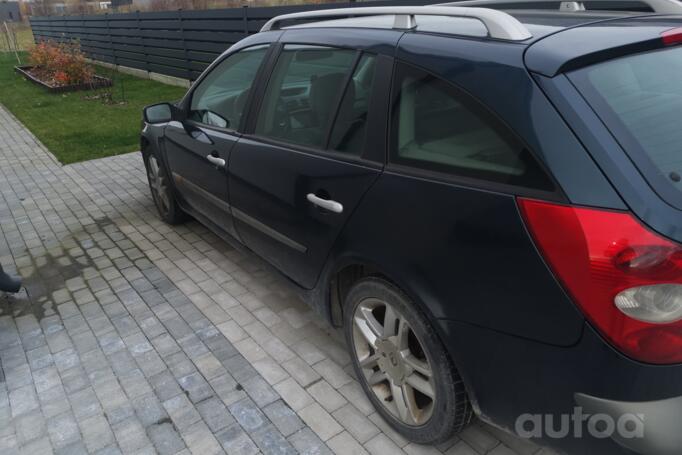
column 494, row 73
column 461, row 254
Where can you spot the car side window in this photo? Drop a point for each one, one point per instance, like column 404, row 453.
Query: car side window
column 303, row 93
column 436, row 126
column 350, row 125
column 220, row 99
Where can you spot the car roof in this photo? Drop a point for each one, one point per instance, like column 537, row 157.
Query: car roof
column 593, row 42
column 561, row 40
column 544, row 22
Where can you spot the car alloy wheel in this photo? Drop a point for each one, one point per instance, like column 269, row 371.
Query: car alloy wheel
column 159, row 186
column 393, row 362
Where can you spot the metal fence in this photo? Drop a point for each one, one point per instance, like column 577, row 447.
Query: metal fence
column 173, row 43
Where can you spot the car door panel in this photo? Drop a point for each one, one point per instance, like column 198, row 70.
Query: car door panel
column 269, row 187
column 291, row 196
column 201, row 184
column 198, row 146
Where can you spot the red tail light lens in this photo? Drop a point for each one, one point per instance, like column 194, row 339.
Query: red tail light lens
column 672, row 36
column 626, row 279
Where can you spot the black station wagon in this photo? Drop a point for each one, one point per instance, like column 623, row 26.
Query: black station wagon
column 486, row 196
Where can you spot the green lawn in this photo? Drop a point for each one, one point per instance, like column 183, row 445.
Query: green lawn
column 22, row 32
column 77, row 129
column 24, row 37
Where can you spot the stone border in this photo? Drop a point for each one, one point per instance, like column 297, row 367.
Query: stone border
column 144, row 74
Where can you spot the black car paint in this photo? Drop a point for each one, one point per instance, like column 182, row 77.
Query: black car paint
column 460, row 249
column 269, row 183
column 200, row 183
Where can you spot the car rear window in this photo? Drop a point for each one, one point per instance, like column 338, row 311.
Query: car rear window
column 639, row 98
column 437, row 127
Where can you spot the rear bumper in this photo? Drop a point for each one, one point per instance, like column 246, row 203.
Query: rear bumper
column 586, row 399
column 648, row 427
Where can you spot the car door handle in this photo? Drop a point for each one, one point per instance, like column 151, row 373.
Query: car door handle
column 326, row 204
column 218, row 162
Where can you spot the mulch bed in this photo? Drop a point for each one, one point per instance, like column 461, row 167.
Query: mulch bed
column 39, row 77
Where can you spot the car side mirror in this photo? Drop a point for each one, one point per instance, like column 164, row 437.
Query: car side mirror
column 158, row 113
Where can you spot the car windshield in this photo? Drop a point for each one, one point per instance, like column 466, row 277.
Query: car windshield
column 639, row 98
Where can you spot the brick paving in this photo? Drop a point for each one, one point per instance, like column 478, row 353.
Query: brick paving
column 136, row 337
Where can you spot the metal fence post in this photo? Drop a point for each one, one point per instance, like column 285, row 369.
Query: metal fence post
column 49, row 20
column 109, row 39
column 139, row 35
column 82, row 27
column 245, row 9
column 188, row 65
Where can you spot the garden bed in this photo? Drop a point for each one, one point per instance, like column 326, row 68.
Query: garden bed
column 58, row 119
column 97, row 82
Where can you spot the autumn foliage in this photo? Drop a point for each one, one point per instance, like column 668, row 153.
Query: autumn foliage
column 60, row 63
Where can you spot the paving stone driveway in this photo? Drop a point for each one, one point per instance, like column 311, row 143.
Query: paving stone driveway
column 136, row 337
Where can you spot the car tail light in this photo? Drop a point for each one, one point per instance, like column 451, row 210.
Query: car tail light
column 626, row 279
column 672, row 36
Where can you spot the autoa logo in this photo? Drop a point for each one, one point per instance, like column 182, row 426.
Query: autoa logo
column 577, row 424
column 646, row 427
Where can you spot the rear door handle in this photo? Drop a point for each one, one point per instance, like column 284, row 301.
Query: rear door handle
column 218, row 162
column 326, row 204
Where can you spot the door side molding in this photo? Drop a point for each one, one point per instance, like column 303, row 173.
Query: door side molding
column 189, row 186
column 267, row 230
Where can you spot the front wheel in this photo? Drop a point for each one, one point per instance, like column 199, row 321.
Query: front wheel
column 402, row 365
column 161, row 190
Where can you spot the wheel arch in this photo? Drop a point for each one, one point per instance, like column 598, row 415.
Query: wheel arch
column 151, row 141
column 144, row 143
column 151, row 138
column 344, row 272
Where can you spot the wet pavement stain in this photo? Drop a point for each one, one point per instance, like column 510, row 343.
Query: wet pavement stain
column 49, row 271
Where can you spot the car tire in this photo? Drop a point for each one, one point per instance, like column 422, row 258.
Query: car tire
column 400, row 361
column 162, row 190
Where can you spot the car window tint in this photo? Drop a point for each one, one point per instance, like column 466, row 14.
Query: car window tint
column 350, row 126
column 303, row 93
column 639, row 97
column 435, row 126
column 220, row 99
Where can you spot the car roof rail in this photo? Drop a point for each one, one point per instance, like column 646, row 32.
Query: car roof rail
column 657, row 6
column 500, row 25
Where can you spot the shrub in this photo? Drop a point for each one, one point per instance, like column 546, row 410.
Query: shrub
column 63, row 64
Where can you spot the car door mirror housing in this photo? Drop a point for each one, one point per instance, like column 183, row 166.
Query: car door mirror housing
column 213, row 119
column 158, row 113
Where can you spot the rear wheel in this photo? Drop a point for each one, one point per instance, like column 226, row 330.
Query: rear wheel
column 402, row 365
column 162, row 192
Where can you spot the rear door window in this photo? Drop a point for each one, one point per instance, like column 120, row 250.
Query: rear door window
column 437, row 127
column 639, row 98
column 303, row 93
column 350, row 126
